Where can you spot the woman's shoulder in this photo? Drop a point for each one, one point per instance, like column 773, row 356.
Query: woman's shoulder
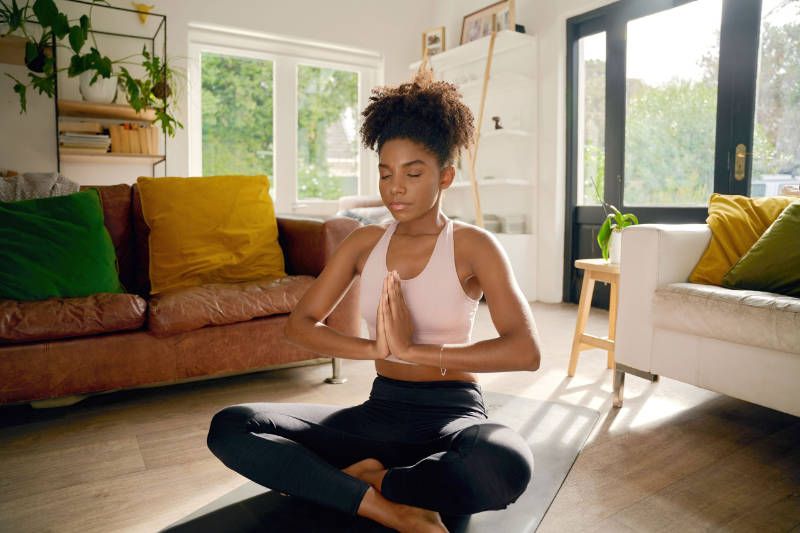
column 364, row 238
column 473, row 244
column 472, row 236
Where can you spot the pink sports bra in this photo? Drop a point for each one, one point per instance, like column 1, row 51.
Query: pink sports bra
column 441, row 312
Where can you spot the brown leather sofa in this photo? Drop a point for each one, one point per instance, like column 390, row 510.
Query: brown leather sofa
column 56, row 352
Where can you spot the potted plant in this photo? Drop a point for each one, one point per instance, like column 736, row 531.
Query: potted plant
column 610, row 235
column 154, row 90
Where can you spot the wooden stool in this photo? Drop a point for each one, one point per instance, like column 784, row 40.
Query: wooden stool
column 595, row 270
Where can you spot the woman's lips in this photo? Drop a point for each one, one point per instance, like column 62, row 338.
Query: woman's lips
column 397, row 206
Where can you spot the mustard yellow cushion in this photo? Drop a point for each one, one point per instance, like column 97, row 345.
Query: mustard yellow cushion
column 217, row 229
column 736, row 223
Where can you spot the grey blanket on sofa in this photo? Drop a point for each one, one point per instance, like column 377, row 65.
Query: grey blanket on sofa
column 35, row 185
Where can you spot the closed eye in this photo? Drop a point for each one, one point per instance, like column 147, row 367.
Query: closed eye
column 414, row 175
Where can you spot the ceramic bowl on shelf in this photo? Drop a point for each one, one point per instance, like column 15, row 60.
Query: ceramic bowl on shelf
column 102, row 91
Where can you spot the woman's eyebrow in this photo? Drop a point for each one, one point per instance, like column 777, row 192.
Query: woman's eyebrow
column 416, row 161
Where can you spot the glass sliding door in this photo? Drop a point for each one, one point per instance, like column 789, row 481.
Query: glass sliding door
column 776, row 142
column 591, row 118
column 701, row 96
column 672, row 63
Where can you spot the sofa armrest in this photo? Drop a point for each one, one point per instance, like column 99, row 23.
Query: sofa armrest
column 653, row 255
column 308, row 243
column 307, row 246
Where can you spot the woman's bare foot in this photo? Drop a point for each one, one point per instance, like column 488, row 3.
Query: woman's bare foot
column 418, row 519
column 403, row 518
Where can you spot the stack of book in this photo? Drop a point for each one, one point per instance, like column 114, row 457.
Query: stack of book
column 134, row 139
column 83, row 137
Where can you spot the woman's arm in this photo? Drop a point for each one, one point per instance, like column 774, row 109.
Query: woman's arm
column 305, row 328
column 516, row 348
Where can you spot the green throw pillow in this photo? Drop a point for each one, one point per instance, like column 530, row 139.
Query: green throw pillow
column 773, row 263
column 56, row 248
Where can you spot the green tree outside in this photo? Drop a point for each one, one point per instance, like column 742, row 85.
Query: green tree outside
column 670, row 129
column 324, row 95
column 237, row 96
column 237, row 120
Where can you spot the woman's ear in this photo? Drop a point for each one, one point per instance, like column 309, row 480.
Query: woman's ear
column 446, row 176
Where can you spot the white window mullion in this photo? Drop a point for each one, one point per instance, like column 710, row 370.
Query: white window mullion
column 285, row 124
column 194, row 125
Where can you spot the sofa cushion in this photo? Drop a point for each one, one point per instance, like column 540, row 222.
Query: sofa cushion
column 70, row 317
column 56, row 248
column 215, row 304
column 746, row 317
column 773, row 263
column 216, row 229
column 736, row 223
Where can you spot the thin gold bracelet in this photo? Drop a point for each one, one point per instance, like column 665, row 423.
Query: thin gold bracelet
column 442, row 369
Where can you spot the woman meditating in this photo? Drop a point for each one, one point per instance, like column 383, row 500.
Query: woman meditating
column 421, row 444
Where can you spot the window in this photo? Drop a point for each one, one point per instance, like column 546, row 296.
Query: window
column 591, row 118
column 776, row 143
column 288, row 108
column 327, row 144
column 237, row 115
column 671, row 105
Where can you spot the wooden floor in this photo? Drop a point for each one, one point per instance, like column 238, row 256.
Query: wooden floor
column 674, row 458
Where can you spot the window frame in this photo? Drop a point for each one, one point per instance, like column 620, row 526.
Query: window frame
column 286, row 53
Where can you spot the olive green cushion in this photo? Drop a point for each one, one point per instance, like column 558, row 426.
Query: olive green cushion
column 773, row 263
column 56, row 247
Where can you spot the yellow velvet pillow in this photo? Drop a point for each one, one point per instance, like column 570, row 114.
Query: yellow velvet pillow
column 736, row 223
column 217, row 229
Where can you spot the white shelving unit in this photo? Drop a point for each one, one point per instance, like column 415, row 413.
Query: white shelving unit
column 506, row 164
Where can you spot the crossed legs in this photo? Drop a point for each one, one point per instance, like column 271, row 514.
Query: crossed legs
column 320, row 453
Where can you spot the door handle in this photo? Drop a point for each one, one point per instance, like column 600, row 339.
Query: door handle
column 740, row 162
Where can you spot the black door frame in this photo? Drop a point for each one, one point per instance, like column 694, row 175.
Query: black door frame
column 738, row 60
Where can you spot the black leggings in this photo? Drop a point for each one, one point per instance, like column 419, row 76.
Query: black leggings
column 434, row 438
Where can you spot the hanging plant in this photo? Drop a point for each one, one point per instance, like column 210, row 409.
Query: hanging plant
column 152, row 91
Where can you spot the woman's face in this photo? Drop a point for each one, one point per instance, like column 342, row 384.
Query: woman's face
column 410, row 178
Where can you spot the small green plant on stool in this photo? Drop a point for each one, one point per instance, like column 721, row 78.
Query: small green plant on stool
column 615, row 221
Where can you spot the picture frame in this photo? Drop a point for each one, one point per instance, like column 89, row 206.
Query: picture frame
column 433, row 41
column 500, row 16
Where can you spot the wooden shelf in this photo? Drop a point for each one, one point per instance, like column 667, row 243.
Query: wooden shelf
column 78, row 108
column 77, row 156
column 476, row 50
column 504, row 132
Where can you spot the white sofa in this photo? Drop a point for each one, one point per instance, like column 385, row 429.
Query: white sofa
column 741, row 343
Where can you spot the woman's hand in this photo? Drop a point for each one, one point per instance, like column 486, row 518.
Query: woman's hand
column 381, row 343
column 397, row 318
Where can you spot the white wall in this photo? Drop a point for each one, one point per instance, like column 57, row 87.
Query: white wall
column 393, row 29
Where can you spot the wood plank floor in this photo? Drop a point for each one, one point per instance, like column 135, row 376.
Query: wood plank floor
column 674, row 458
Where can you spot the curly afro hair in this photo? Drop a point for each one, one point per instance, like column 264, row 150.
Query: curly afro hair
column 426, row 111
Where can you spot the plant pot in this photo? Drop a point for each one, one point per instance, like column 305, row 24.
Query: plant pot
column 615, row 247
column 103, row 91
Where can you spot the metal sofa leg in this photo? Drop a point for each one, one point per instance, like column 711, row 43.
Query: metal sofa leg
column 337, row 372
column 63, row 401
column 619, row 380
column 619, row 387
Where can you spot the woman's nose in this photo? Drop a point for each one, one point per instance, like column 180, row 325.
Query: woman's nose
column 398, row 187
